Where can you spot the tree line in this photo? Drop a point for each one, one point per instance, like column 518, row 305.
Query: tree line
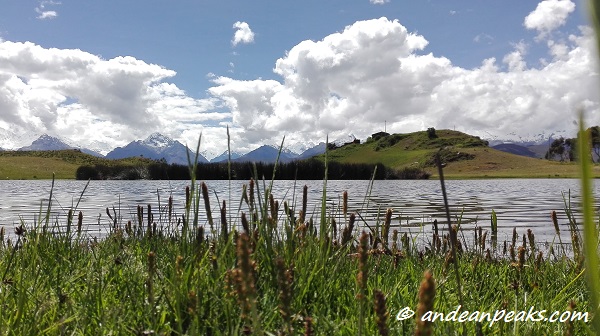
column 295, row 170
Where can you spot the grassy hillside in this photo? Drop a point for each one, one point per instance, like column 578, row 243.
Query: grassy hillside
column 17, row 165
column 465, row 156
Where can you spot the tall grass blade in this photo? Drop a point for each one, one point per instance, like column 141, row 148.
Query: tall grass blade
column 590, row 233
column 451, row 232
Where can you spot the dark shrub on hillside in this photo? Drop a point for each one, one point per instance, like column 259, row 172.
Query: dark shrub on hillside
column 86, row 173
column 389, row 141
column 410, row 173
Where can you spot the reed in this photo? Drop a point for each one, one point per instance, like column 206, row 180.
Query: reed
column 427, row 293
column 381, row 313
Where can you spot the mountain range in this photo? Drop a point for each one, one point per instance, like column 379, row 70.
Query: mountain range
column 157, row 147
column 46, row 142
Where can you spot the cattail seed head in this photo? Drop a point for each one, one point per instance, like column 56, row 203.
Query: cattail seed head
column 381, row 313
column 245, row 224
column 79, row 222
column 426, row 300
column 513, row 255
column 285, row 280
column 521, row 253
column 531, row 238
column 345, row 203
column 555, row 222
column 272, row 207
column 304, row 203
column 386, row 226
column 362, row 266
column 204, row 189
column 308, row 327
column 224, row 229
column 539, row 260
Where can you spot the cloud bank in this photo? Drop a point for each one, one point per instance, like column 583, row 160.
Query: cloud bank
column 372, row 73
column 88, row 99
column 375, row 73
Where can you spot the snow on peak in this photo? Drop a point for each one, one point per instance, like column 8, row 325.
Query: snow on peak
column 158, row 140
column 344, row 140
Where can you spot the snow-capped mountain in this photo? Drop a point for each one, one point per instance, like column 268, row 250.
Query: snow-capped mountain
column 46, row 142
column 156, row 146
column 526, row 140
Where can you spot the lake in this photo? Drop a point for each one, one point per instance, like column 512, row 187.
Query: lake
column 520, row 203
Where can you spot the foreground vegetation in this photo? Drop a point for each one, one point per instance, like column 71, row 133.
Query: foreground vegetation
column 273, row 271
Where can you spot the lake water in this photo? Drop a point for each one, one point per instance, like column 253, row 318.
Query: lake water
column 520, row 203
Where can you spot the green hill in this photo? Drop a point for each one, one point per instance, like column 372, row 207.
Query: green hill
column 18, row 165
column 465, row 156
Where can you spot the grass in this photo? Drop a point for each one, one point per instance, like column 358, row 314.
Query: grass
column 27, row 165
column 271, row 275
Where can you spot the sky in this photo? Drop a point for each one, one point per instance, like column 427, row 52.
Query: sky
column 101, row 74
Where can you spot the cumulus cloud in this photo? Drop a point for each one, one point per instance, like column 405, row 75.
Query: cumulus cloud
column 375, row 71
column 43, row 12
column 86, row 98
column 379, row 2
column 243, row 33
column 549, row 15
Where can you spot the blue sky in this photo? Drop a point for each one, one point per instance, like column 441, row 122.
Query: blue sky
column 103, row 73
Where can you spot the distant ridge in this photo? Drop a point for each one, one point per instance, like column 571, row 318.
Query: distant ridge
column 46, row 142
column 156, row 147
column 225, row 156
column 267, row 154
column 516, row 149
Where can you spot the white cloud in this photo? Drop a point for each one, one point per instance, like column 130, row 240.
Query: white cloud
column 483, row 37
column 379, row 2
column 549, row 15
column 374, row 71
column 243, row 33
column 43, row 12
column 89, row 99
column 515, row 60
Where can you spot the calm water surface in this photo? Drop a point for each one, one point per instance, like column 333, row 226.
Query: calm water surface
column 521, row 203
